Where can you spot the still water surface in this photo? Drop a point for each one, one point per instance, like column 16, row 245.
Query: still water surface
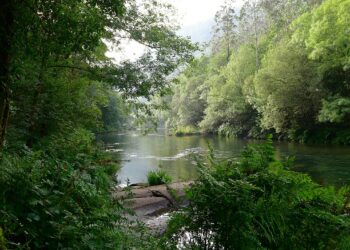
column 141, row 154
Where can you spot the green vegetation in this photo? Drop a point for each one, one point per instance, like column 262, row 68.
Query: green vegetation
column 258, row 203
column 158, row 177
column 186, row 130
column 279, row 67
column 2, row 240
column 57, row 91
column 50, row 203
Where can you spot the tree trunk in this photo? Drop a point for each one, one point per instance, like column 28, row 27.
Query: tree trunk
column 6, row 23
column 35, row 112
column 256, row 39
column 4, row 112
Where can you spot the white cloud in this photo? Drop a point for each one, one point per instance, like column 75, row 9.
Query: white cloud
column 195, row 17
column 196, row 11
column 126, row 50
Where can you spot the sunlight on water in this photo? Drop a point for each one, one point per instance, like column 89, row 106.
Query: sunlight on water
column 175, row 155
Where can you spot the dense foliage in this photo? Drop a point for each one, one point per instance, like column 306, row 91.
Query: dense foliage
column 52, row 203
column 58, row 90
column 258, row 203
column 278, row 67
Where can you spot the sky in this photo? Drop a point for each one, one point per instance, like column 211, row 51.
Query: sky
column 196, row 18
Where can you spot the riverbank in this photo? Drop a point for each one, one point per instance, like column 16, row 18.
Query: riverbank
column 148, row 201
column 327, row 164
column 317, row 137
column 151, row 204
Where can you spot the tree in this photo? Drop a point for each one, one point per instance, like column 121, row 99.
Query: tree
column 225, row 28
column 287, row 72
column 227, row 110
column 324, row 32
column 188, row 102
column 280, row 14
column 34, row 34
column 114, row 113
column 252, row 26
column 287, row 89
column 7, row 20
column 44, row 51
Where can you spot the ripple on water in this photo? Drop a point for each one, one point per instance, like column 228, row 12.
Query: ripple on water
column 181, row 154
column 115, row 150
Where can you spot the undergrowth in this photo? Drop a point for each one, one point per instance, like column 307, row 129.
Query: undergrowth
column 61, row 199
column 259, row 203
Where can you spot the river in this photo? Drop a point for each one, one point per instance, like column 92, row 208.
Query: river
column 139, row 154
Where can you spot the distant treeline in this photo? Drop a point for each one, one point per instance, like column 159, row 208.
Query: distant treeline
column 280, row 67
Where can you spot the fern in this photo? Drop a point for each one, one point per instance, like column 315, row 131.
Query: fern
column 258, row 203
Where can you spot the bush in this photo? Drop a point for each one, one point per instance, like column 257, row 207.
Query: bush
column 48, row 203
column 158, row 177
column 186, row 130
column 258, row 203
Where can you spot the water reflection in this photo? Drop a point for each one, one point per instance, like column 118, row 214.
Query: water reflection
column 141, row 154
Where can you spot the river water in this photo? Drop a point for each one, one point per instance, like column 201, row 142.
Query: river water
column 328, row 165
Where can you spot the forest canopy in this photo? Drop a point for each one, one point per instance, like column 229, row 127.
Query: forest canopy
column 278, row 67
column 54, row 74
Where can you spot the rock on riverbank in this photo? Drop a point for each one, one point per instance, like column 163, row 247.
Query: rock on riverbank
column 150, row 201
column 151, row 204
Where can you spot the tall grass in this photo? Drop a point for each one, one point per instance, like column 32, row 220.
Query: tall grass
column 158, row 177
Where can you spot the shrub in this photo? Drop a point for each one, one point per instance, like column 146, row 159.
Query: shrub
column 257, row 203
column 48, row 203
column 186, row 130
column 158, row 177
